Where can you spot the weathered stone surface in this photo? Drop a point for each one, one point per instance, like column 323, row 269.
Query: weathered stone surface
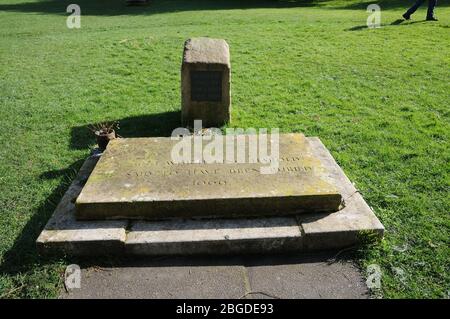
column 136, row 179
column 153, row 279
column 306, row 276
column 206, row 51
column 220, row 236
column 244, row 276
column 63, row 234
column 205, row 82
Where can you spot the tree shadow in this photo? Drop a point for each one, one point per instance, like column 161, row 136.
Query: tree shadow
column 386, row 4
column 120, row 7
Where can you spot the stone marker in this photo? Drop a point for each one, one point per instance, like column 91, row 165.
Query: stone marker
column 136, row 178
column 205, row 82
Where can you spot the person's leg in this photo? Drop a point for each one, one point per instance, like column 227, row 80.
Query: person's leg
column 413, row 9
column 430, row 12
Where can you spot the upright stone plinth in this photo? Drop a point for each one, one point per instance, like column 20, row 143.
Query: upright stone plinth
column 137, row 178
column 205, row 82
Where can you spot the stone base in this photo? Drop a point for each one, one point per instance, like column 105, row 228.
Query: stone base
column 63, row 234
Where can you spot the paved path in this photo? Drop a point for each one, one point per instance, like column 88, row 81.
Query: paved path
column 305, row 276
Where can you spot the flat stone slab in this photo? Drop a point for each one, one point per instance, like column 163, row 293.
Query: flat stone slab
column 157, row 279
column 305, row 232
column 136, row 178
column 247, row 277
column 307, row 276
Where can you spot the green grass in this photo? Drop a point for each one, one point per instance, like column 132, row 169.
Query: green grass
column 378, row 99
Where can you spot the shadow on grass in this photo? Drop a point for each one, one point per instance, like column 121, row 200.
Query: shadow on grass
column 415, row 22
column 357, row 28
column 23, row 256
column 152, row 125
column 119, row 7
column 398, row 22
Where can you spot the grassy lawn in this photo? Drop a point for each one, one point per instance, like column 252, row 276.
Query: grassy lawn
column 378, row 99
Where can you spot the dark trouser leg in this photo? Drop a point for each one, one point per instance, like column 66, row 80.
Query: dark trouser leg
column 431, row 5
column 416, row 6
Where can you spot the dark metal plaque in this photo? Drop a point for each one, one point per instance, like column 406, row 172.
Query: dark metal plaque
column 206, row 86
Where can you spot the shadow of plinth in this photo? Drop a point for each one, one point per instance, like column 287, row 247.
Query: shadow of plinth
column 151, row 125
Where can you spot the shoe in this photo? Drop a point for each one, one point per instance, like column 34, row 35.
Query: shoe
column 432, row 19
column 406, row 16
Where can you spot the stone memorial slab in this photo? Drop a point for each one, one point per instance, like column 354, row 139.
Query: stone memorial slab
column 136, row 178
column 205, row 82
column 66, row 235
